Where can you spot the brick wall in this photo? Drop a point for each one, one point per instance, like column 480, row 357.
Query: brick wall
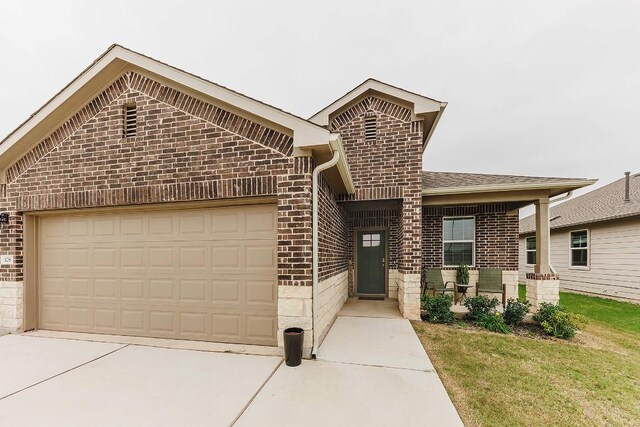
column 388, row 167
column 184, row 150
column 333, row 237
column 496, row 235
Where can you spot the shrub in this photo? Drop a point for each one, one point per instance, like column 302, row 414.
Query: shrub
column 462, row 275
column 556, row 321
column 515, row 311
column 493, row 322
column 438, row 308
column 480, row 305
column 579, row 320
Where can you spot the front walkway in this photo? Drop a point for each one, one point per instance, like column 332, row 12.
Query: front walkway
column 370, row 370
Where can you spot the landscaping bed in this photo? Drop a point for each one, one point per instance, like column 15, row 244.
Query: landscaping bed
column 529, row 378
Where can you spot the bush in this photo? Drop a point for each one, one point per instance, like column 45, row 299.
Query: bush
column 480, row 305
column 493, row 322
column 462, row 275
column 515, row 311
column 438, row 308
column 556, row 321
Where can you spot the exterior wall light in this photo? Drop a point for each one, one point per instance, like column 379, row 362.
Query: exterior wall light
column 4, row 219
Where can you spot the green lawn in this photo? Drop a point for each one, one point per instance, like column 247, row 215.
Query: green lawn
column 512, row 380
column 614, row 314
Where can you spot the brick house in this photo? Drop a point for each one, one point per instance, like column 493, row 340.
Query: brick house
column 143, row 200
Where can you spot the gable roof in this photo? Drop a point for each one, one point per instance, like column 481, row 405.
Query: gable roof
column 602, row 204
column 434, row 183
column 114, row 63
column 428, row 109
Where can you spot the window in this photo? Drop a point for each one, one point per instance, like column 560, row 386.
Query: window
column 579, row 248
column 459, row 241
column 370, row 240
column 530, row 243
column 370, row 129
column 129, row 121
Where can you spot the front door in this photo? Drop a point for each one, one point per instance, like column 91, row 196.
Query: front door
column 371, row 268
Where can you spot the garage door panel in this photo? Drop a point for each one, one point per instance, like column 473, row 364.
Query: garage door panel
column 205, row 274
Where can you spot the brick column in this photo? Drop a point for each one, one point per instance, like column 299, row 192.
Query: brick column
column 410, row 254
column 295, row 259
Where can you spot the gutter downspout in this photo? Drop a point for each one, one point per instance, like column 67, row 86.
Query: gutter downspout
column 315, row 291
column 559, row 199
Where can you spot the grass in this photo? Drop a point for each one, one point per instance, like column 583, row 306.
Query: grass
column 514, row 380
column 619, row 315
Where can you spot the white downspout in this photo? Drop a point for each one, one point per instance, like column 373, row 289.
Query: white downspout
column 315, row 291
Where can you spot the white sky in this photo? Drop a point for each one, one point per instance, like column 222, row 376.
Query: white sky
column 546, row 88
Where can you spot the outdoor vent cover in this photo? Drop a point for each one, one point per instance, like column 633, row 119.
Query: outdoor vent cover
column 370, row 128
column 129, row 121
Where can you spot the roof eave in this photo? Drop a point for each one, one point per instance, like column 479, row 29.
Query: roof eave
column 111, row 65
column 563, row 186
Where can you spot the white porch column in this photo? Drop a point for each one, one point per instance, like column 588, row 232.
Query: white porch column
column 543, row 285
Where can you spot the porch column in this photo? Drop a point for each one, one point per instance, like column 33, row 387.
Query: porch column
column 543, row 285
column 542, row 236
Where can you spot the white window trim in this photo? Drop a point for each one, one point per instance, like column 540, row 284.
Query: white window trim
column 473, row 253
column 527, row 250
column 588, row 248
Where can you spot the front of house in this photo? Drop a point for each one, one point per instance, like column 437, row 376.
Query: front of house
column 145, row 201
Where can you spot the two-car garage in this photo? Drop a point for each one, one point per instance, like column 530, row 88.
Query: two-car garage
column 191, row 273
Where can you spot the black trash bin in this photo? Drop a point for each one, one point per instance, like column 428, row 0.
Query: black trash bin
column 293, row 340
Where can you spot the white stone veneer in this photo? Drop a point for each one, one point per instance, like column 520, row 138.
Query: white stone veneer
column 539, row 291
column 393, row 284
column 295, row 309
column 409, row 295
column 11, row 306
column 333, row 292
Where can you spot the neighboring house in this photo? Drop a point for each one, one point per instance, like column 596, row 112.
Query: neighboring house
column 143, row 200
column 595, row 241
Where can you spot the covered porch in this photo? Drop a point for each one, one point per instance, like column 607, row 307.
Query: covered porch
column 473, row 219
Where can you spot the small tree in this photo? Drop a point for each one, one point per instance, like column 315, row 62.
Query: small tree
column 462, row 274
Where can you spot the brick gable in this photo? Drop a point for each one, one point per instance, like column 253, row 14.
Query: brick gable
column 184, row 150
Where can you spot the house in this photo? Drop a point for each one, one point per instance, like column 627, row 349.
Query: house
column 595, row 241
column 143, row 200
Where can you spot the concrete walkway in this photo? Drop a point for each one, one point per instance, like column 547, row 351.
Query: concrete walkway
column 371, row 370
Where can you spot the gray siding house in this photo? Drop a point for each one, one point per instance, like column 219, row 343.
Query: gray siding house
column 595, row 241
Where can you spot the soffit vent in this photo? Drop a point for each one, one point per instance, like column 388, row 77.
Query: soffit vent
column 370, row 128
column 130, row 121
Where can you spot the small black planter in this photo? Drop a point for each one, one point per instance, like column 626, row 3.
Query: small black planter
column 293, row 340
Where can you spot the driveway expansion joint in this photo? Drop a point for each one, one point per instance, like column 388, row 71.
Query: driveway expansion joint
column 64, row 372
column 377, row 366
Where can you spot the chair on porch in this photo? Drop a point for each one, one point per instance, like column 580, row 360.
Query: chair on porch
column 431, row 281
column 490, row 281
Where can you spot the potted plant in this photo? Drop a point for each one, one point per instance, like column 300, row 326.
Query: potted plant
column 462, row 277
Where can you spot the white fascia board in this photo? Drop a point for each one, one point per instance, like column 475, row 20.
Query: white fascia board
column 421, row 104
column 342, row 165
column 572, row 184
column 304, row 132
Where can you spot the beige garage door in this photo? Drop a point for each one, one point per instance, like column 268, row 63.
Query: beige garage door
column 201, row 274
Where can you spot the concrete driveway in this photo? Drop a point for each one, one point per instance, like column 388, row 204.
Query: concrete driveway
column 60, row 382
column 370, row 371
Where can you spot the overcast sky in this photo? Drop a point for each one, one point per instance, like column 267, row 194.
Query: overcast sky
column 546, row 88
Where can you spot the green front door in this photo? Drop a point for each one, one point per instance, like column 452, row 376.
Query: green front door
column 371, row 263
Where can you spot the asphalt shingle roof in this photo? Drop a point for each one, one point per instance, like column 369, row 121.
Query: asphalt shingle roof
column 433, row 180
column 602, row 204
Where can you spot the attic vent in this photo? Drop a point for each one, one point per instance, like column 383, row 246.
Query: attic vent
column 129, row 121
column 370, row 129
